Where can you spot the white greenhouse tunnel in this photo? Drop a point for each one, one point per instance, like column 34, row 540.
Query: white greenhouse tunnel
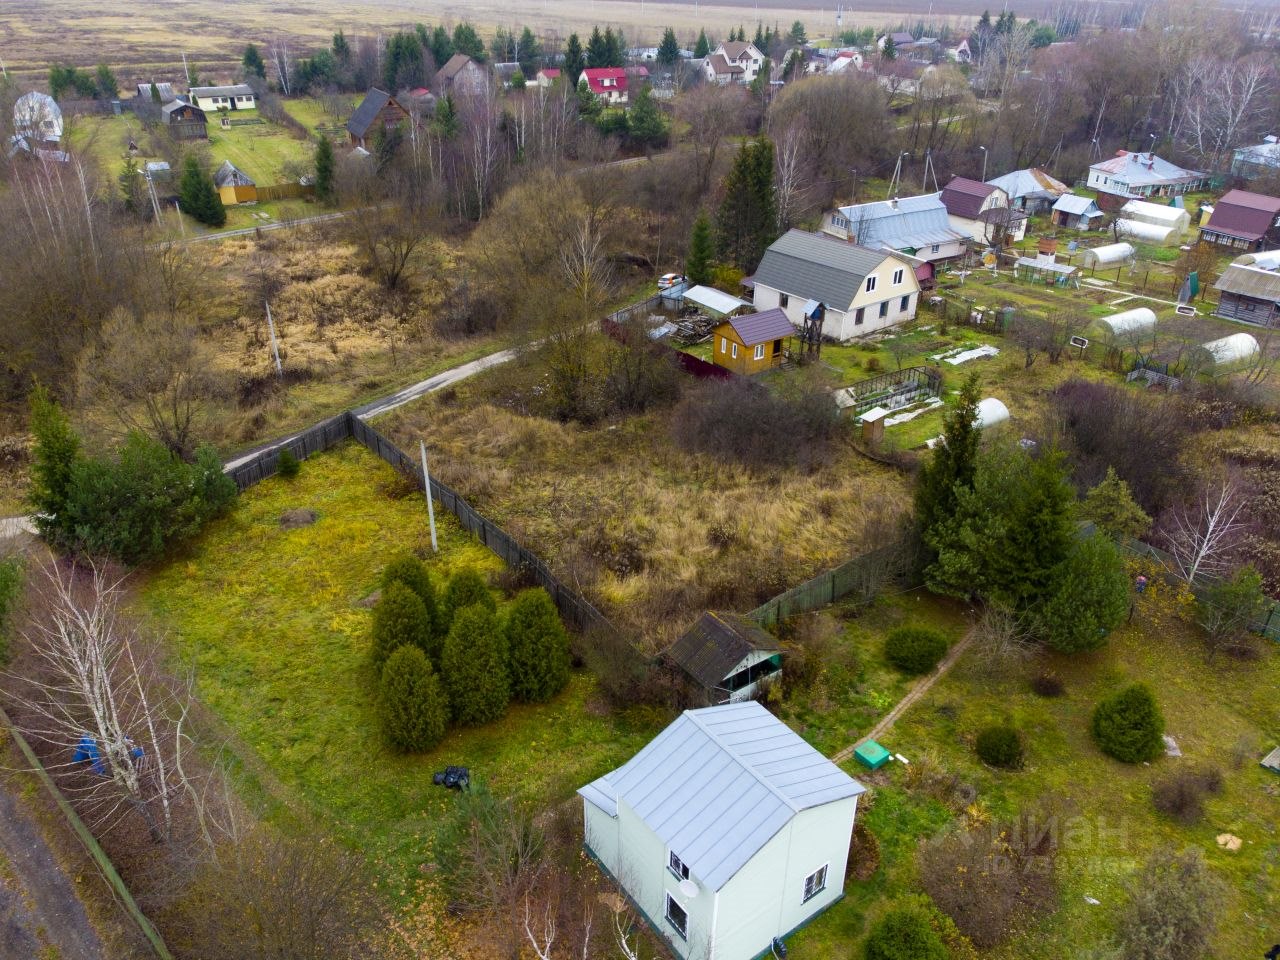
column 1128, row 322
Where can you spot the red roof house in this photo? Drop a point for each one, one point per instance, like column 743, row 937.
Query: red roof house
column 611, row 84
column 1243, row 221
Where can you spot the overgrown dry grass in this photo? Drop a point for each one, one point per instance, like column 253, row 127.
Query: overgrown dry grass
column 651, row 533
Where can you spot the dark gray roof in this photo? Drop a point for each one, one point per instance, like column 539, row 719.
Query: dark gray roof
column 166, row 91
column 718, row 784
column 718, row 642
column 229, row 175
column 815, row 267
column 168, row 109
column 761, row 328
column 234, row 90
column 364, row 114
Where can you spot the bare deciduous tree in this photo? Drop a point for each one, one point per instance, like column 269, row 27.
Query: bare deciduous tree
column 1001, row 640
column 94, row 690
column 1202, row 534
column 712, row 112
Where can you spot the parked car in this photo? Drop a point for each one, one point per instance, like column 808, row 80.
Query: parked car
column 669, row 280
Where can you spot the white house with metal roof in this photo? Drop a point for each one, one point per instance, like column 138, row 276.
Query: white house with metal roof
column 726, row 831
column 1142, row 175
column 916, row 226
column 861, row 290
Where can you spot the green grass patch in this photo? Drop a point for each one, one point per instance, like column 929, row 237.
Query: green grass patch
column 261, row 150
column 1223, row 713
column 272, row 620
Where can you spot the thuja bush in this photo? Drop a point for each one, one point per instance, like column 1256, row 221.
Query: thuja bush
column 915, row 649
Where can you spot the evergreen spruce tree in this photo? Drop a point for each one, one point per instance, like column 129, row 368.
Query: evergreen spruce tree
column 466, row 40
column 198, row 195
column 411, row 701
column 537, row 647
column 155, row 93
column 324, row 170
column 253, row 64
column 133, row 190
column 105, row 80
column 441, row 46
column 697, row 265
column 412, row 572
column 597, row 49
column 341, row 49
column 797, row 37
column 574, row 59
column 644, row 120
column 759, row 40
column 399, row 619
column 474, row 667
column 1111, row 507
column 54, row 460
column 747, row 220
column 1128, row 725
column 669, row 49
column 529, row 53
column 1087, row 597
column 616, row 47
column 466, row 588
column 954, row 462
column 890, row 49
column 702, row 48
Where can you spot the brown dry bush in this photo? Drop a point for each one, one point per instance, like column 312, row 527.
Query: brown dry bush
column 991, row 878
column 746, row 422
column 1181, row 795
column 864, row 853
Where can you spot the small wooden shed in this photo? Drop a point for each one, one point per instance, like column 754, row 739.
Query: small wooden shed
column 234, row 185
column 752, row 343
column 728, row 656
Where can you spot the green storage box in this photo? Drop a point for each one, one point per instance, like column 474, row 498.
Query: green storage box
column 872, row 755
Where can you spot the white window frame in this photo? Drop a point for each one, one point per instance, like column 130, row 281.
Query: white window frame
column 733, row 350
column 683, row 933
column 820, row 886
column 870, row 286
column 679, row 869
column 884, row 309
column 759, row 351
column 897, row 277
column 724, row 344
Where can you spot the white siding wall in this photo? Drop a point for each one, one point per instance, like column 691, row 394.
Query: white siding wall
column 765, row 899
column 842, row 324
column 601, row 832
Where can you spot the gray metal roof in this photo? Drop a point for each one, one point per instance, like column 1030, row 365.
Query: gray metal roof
column 907, row 223
column 717, row 784
column 229, row 175
column 816, row 267
column 370, row 106
column 1077, row 205
column 1030, row 182
column 1250, row 281
column 234, row 90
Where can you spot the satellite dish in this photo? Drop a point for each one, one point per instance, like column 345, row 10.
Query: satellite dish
column 689, row 888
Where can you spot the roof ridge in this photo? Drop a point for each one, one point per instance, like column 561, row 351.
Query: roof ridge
column 742, row 762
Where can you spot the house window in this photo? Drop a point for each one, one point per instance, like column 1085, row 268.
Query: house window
column 783, row 300
column 733, row 351
column 884, row 308
column 678, row 917
column 897, row 277
column 677, row 866
column 871, row 284
column 814, row 884
column 759, row 351
column 904, row 304
column 858, row 317
column 936, row 248
column 724, row 344
column 839, row 221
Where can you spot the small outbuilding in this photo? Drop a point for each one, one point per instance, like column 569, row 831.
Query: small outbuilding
column 37, row 118
column 1249, row 289
column 378, row 111
column 184, row 121
column 990, row 412
column 1217, row 356
column 753, row 342
column 1109, row 255
column 713, row 301
column 1138, row 322
column 727, row 830
column 1077, row 213
column 234, row 185
column 727, row 656
column 1031, row 190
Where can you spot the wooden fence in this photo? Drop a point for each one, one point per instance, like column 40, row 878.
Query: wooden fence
column 286, row 191
column 864, row 576
column 574, row 609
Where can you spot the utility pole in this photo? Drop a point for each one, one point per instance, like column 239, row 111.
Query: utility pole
column 426, row 483
column 275, row 349
column 182, row 226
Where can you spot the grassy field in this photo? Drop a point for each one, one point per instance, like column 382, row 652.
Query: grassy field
column 37, row 33
column 261, row 150
column 1223, row 714
column 273, row 622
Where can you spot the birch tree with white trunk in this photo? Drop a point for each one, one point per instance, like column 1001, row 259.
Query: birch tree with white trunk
column 1203, row 533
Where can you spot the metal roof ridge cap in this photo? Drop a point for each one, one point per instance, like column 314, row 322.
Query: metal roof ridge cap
column 741, row 761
